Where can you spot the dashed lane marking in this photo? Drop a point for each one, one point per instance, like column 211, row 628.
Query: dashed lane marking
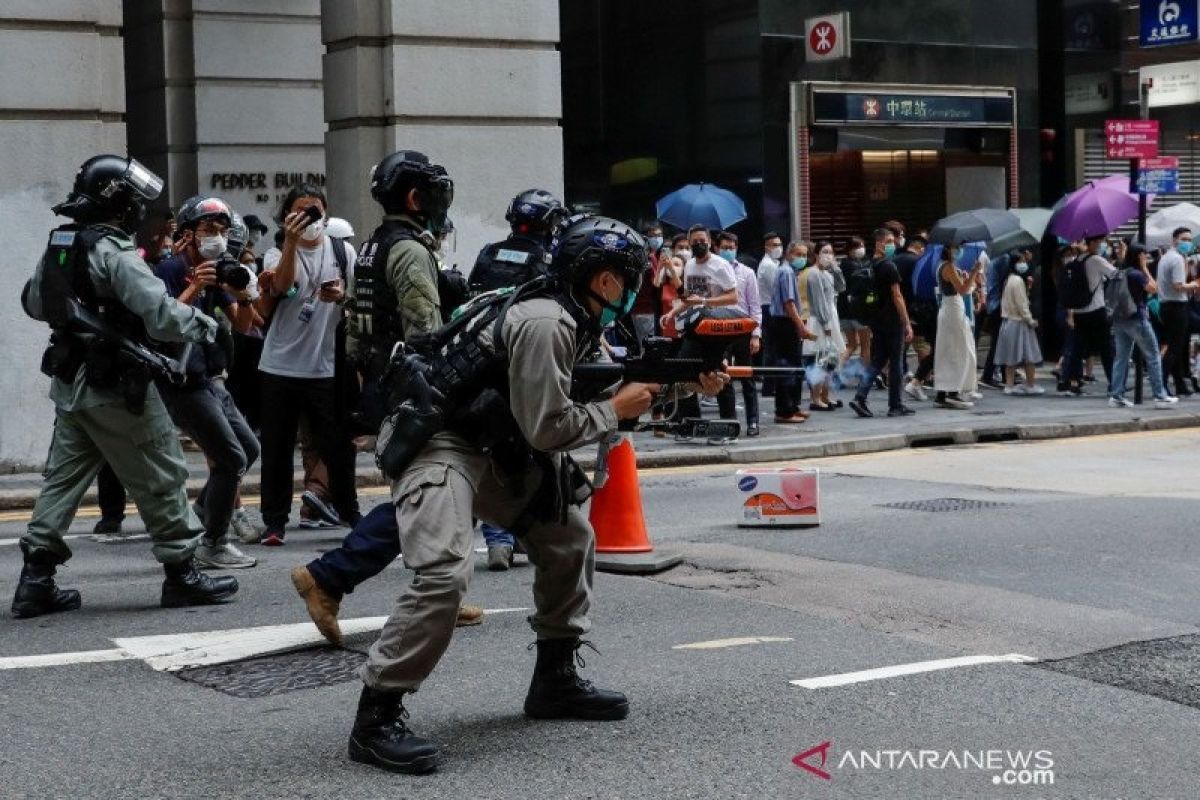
column 739, row 641
column 175, row 651
column 847, row 678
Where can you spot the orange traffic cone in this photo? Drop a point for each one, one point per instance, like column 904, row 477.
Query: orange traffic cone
column 622, row 543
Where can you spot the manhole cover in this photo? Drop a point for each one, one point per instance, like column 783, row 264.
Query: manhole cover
column 278, row 674
column 940, row 504
column 1165, row 668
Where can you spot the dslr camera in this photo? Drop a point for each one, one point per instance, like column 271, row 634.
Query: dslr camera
column 236, row 275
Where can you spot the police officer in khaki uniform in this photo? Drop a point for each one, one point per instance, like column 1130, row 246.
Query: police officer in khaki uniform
column 106, row 406
column 508, row 467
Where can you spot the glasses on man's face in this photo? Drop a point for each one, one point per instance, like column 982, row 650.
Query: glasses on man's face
column 211, row 229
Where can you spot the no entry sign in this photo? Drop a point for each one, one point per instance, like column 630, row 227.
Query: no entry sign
column 827, row 38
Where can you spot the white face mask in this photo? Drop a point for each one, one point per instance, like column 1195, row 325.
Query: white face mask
column 314, row 231
column 211, row 247
column 684, row 254
column 775, row 253
column 825, row 260
column 859, row 252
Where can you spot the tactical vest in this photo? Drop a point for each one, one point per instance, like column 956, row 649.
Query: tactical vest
column 65, row 276
column 516, row 260
column 375, row 313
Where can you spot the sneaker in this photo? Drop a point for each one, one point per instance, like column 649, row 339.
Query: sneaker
column 974, row 396
column 273, row 536
column 1070, row 391
column 900, row 411
column 956, row 403
column 1011, row 390
column 992, row 383
column 1031, row 389
column 244, row 528
column 1166, row 401
column 223, row 555
column 860, row 407
column 1119, row 402
column 916, row 392
column 322, row 509
column 308, row 523
column 500, row 557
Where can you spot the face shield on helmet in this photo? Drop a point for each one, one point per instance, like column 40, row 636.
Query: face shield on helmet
column 141, row 181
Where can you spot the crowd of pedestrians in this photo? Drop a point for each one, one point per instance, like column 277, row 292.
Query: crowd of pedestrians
column 896, row 313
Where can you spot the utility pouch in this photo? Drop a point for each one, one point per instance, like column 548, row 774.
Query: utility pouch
column 63, row 357
column 133, row 382
column 407, row 431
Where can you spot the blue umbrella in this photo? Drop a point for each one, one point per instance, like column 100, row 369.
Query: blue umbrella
column 924, row 277
column 701, row 204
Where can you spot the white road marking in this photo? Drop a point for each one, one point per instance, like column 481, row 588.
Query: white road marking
column 846, row 678
column 176, row 651
column 69, row 536
column 735, row 642
column 59, row 659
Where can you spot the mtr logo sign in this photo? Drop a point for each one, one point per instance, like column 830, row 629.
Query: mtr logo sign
column 827, row 38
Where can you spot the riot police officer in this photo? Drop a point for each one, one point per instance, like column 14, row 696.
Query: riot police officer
column 106, row 406
column 394, row 297
column 525, row 254
column 520, row 258
column 504, row 368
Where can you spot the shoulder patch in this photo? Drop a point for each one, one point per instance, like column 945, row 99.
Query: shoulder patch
column 512, row 256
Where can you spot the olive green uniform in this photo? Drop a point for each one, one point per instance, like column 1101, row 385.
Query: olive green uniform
column 93, row 426
column 452, row 481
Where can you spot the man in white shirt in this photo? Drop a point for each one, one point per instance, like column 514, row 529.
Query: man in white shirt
column 768, row 271
column 1173, row 292
column 1090, row 323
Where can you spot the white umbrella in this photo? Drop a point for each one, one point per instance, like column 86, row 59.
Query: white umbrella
column 1161, row 223
column 1033, row 227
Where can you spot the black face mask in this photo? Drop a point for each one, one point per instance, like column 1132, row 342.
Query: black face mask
column 699, row 249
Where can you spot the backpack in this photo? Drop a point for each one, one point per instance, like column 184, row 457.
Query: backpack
column 1074, row 290
column 860, row 289
column 1118, row 300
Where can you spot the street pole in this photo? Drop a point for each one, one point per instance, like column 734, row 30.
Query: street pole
column 1140, row 362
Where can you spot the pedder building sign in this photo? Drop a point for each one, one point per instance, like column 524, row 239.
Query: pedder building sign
column 263, row 183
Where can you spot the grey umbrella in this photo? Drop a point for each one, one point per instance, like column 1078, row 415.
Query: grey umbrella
column 980, row 225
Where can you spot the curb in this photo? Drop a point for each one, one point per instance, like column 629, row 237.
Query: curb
column 702, row 455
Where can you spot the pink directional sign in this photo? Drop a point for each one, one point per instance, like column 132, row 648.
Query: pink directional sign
column 1131, row 138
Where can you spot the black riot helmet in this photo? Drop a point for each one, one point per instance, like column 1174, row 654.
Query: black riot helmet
column 584, row 244
column 399, row 173
column 108, row 188
column 201, row 207
column 535, row 211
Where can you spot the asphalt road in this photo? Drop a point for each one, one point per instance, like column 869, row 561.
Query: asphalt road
column 1074, row 563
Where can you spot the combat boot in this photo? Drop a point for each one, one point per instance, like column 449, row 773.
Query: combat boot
column 37, row 593
column 187, row 586
column 381, row 736
column 557, row 691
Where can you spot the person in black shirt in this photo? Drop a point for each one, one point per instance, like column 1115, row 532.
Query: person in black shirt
column 891, row 330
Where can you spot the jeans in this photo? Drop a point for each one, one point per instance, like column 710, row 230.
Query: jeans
column 1092, row 337
column 1175, row 365
column 496, row 537
column 283, row 401
column 372, row 544
column 209, row 416
column 887, row 350
column 1128, row 333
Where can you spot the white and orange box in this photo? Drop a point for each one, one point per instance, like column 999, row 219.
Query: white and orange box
column 779, row 498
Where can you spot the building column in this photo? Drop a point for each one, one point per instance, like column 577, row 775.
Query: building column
column 477, row 89
column 63, row 102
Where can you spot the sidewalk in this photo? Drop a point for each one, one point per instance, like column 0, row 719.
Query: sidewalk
column 996, row 418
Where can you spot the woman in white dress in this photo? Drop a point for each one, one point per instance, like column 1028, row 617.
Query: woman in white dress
column 954, row 356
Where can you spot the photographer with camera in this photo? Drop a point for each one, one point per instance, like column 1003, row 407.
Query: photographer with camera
column 303, row 293
column 204, row 275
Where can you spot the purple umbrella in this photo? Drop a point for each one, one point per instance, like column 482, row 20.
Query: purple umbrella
column 1096, row 209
